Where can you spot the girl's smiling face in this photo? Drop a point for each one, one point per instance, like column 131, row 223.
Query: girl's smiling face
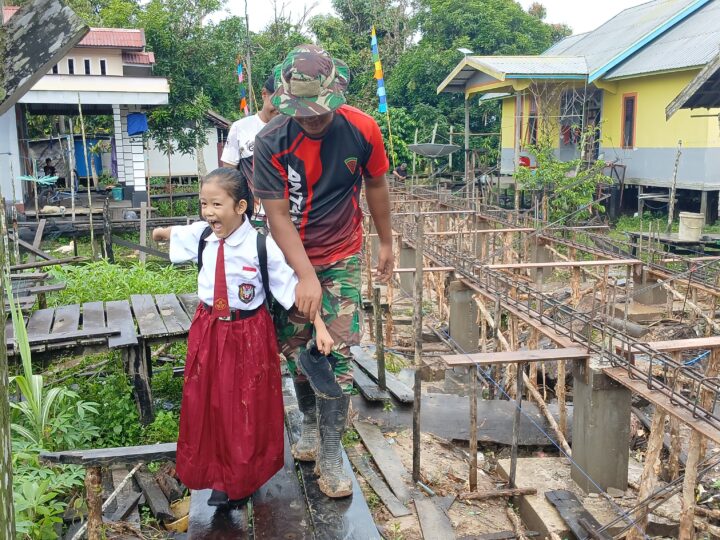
column 219, row 209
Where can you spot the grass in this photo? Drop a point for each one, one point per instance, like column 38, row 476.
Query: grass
column 102, row 281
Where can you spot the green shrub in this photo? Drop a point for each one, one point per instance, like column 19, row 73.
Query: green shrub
column 164, row 428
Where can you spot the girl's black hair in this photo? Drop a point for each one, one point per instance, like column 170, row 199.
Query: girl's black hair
column 270, row 84
column 236, row 185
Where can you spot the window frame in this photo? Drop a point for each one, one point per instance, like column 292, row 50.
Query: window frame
column 87, row 66
column 71, row 71
column 55, row 70
column 624, row 110
column 102, row 63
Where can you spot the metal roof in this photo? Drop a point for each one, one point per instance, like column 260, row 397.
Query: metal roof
column 702, row 92
column 692, row 43
column 622, row 31
column 120, row 38
column 138, row 57
column 476, row 71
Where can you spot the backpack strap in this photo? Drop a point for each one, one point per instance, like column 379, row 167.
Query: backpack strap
column 262, row 257
column 201, row 245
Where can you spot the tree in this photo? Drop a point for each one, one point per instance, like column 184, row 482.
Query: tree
column 538, row 11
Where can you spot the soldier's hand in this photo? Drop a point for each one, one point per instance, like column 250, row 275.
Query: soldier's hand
column 308, row 295
column 386, row 263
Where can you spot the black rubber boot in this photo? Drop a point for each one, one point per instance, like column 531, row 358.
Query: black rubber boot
column 306, row 447
column 332, row 417
column 318, row 369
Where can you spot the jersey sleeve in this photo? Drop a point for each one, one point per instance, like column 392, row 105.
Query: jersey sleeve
column 184, row 240
column 377, row 162
column 282, row 278
column 269, row 177
column 231, row 152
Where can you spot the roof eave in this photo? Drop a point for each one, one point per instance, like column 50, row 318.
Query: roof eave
column 689, row 91
column 647, row 38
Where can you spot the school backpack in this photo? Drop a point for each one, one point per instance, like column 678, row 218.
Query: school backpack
column 262, row 256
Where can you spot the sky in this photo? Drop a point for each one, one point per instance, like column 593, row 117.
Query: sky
column 580, row 15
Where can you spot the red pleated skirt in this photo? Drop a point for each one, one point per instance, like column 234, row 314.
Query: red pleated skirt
column 231, row 417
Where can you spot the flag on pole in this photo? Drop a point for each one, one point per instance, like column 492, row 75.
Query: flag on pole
column 379, row 76
column 241, row 78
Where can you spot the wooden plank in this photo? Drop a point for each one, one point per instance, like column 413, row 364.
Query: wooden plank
column 502, row 535
column 561, row 264
column 348, row 518
column 279, row 509
column 388, row 498
column 516, row 357
column 38, row 238
column 143, row 249
column 119, row 316
column 368, row 388
column 581, row 522
column 34, row 276
column 154, row 497
column 400, row 390
column 386, row 460
column 189, row 302
column 67, row 319
column 53, row 262
column 708, row 343
column 110, row 456
column 211, row 523
column 150, row 323
column 127, row 498
column 93, row 316
column 77, row 335
column 426, row 269
column 40, row 322
column 433, row 521
column 32, row 249
column 42, row 289
column 175, row 319
column 661, row 400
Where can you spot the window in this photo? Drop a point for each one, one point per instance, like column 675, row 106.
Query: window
column 103, row 67
column 532, row 134
column 629, row 114
column 71, row 66
column 87, row 66
column 55, row 69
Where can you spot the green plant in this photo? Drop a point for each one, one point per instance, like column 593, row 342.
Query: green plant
column 388, row 406
column 568, row 187
column 350, row 437
column 163, row 429
column 37, row 510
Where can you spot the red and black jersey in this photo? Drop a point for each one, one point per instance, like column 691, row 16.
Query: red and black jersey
column 321, row 178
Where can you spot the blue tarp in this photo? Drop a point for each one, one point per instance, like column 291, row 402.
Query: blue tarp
column 80, row 158
column 137, row 123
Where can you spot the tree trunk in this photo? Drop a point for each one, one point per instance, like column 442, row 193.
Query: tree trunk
column 7, row 513
column 201, row 166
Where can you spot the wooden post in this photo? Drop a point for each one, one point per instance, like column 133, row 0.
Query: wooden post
column 472, row 373
column 673, row 465
column 467, row 144
column 379, row 344
column 414, row 156
column 516, row 423
column 93, row 489
column 671, row 204
column 143, row 229
column 389, row 316
column 417, row 325
column 107, row 232
column 560, row 387
column 687, row 512
column 650, row 472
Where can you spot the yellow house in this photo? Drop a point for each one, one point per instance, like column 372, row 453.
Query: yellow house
column 619, row 79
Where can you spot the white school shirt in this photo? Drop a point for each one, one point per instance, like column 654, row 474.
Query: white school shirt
column 242, row 265
column 241, row 139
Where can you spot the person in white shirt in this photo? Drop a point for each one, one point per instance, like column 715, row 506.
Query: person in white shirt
column 240, row 144
column 231, row 417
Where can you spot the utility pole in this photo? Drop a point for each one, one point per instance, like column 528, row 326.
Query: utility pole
column 248, row 62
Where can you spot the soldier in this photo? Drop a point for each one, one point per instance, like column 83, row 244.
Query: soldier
column 310, row 165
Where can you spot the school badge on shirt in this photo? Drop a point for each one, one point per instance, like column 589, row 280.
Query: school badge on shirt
column 246, row 292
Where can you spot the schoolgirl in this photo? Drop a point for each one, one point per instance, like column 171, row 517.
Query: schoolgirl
column 231, row 417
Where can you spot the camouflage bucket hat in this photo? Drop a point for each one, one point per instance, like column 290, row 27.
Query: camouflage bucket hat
column 309, row 82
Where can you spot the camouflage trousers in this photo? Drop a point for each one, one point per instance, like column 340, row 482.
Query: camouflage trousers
column 340, row 310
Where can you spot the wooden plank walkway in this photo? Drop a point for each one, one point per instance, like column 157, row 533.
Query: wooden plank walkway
column 516, row 357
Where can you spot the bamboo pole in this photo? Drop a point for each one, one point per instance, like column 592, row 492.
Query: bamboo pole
column 546, row 412
column 671, row 204
column 691, row 304
column 417, row 325
column 87, row 169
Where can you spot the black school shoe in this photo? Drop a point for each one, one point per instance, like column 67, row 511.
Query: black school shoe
column 220, row 499
column 318, row 369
